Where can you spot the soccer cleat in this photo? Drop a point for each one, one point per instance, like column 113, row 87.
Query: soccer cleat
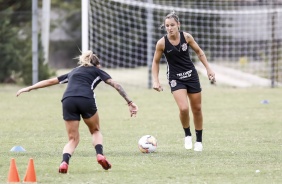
column 101, row 159
column 198, row 146
column 63, row 167
column 188, row 142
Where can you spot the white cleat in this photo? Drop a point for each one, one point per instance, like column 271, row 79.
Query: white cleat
column 198, row 146
column 188, row 142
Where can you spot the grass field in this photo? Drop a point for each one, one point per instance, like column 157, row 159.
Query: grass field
column 241, row 136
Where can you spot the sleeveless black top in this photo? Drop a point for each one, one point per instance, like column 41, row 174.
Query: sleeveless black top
column 179, row 63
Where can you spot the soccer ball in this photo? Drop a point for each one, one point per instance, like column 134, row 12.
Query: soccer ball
column 147, row 144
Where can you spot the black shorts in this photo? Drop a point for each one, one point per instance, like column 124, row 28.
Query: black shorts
column 190, row 86
column 73, row 107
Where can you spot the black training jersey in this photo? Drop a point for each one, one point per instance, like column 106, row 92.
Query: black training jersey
column 82, row 81
column 179, row 63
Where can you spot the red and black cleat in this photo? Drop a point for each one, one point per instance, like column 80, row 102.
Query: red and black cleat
column 63, row 168
column 101, row 159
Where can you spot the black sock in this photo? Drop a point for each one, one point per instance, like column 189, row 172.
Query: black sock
column 99, row 149
column 199, row 135
column 66, row 157
column 187, row 131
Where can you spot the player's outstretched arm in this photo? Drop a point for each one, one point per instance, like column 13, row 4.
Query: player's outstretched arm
column 133, row 108
column 41, row 84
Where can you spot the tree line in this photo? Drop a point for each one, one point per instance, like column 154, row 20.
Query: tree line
column 16, row 40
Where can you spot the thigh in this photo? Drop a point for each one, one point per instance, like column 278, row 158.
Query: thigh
column 93, row 123
column 195, row 101
column 180, row 97
column 72, row 128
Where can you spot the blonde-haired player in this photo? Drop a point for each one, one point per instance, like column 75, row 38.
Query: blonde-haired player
column 79, row 101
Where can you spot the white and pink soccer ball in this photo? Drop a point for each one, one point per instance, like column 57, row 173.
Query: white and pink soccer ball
column 147, row 144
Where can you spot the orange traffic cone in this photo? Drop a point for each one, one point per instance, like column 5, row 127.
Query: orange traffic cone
column 30, row 175
column 13, row 175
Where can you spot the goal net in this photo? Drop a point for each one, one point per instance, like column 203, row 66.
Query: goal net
column 242, row 36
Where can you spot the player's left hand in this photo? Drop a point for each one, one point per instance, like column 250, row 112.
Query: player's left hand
column 211, row 76
column 133, row 109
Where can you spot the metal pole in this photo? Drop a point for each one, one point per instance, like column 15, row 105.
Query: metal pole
column 34, row 42
column 45, row 28
column 84, row 25
column 149, row 42
column 274, row 52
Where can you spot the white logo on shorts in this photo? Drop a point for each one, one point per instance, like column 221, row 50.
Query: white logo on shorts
column 173, row 83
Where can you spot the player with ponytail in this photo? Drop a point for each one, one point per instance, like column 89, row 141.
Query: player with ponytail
column 79, row 101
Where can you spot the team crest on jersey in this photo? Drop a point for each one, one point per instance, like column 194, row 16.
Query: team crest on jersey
column 173, row 83
column 184, row 46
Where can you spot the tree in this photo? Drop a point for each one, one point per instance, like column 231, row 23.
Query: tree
column 9, row 55
column 15, row 43
column 70, row 22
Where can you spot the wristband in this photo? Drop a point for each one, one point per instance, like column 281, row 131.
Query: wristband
column 129, row 103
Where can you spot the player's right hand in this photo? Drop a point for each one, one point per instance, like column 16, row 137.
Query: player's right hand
column 157, row 87
column 27, row 89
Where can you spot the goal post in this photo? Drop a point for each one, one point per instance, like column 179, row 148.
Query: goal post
column 242, row 35
column 84, row 25
column 149, row 29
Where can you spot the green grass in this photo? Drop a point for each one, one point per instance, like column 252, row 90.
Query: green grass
column 241, row 135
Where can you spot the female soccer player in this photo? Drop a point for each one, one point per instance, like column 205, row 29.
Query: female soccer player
column 79, row 100
column 182, row 76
